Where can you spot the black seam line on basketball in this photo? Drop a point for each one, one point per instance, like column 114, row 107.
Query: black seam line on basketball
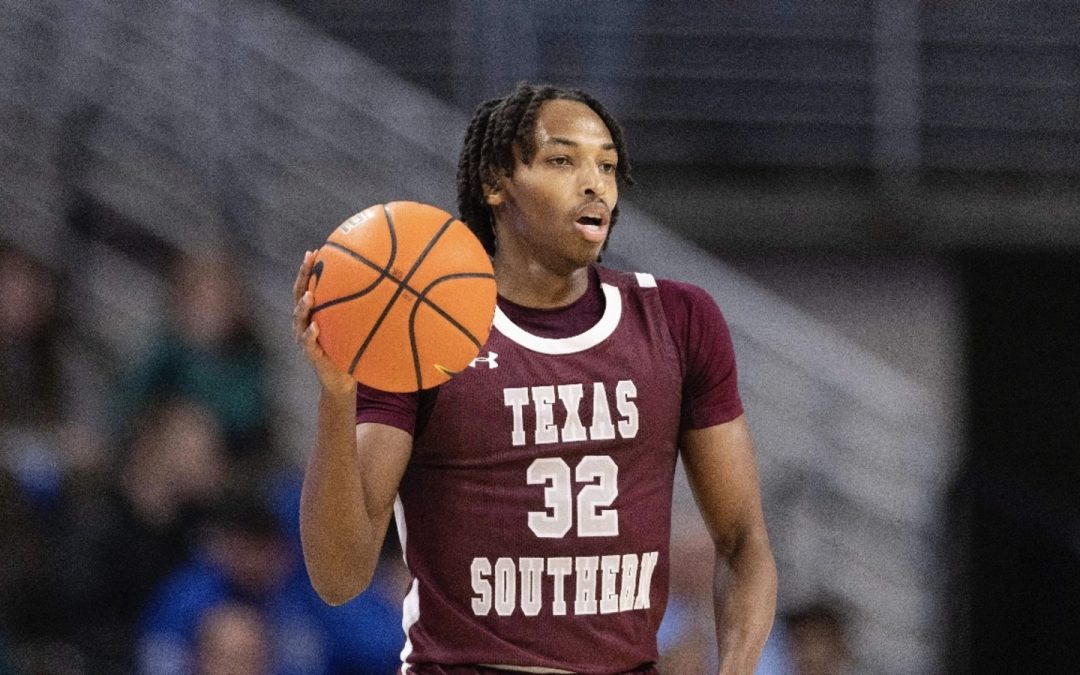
column 392, row 230
column 384, row 272
column 422, row 296
column 397, row 293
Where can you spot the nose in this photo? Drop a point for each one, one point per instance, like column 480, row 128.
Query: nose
column 593, row 182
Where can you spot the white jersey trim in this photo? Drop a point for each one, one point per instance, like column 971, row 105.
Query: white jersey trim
column 410, row 610
column 410, row 615
column 571, row 345
column 645, row 280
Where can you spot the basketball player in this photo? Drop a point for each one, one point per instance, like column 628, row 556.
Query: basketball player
column 532, row 492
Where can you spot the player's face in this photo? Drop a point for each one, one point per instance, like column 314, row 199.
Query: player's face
column 556, row 210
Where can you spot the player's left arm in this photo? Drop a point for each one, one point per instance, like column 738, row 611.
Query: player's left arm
column 722, row 472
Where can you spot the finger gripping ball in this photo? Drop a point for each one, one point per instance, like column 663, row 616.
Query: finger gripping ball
column 404, row 296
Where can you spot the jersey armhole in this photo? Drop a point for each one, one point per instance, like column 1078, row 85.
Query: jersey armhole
column 666, row 292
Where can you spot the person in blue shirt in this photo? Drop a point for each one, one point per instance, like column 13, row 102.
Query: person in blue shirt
column 248, row 556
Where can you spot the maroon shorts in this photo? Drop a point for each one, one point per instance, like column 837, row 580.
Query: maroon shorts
column 434, row 669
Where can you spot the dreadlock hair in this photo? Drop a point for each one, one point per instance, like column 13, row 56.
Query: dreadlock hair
column 496, row 126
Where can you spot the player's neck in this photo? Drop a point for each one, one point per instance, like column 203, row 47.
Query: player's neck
column 533, row 285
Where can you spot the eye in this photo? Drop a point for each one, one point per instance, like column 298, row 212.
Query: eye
column 607, row 167
column 559, row 160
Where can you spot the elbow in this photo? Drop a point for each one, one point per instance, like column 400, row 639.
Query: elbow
column 337, row 573
column 333, row 596
column 750, row 544
column 336, row 590
column 338, row 583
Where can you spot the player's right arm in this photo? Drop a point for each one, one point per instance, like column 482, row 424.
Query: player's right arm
column 352, row 474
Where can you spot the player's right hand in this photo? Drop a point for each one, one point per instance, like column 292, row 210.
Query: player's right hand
column 306, row 333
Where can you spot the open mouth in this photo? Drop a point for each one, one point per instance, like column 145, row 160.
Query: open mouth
column 592, row 228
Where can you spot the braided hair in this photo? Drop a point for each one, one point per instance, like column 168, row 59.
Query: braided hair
column 496, row 126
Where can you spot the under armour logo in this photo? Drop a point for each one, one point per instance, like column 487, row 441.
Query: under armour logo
column 490, row 360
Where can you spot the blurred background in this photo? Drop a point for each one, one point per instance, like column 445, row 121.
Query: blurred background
column 883, row 197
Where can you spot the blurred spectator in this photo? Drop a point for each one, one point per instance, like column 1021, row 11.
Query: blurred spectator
column 776, row 655
column 233, row 638
column 31, row 605
column 687, row 639
column 241, row 556
column 31, row 392
column 140, row 528
column 40, row 441
column 365, row 634
column 818, row 637
column 248, row 556
column 34, row 439
column 208, row 352
column 31, row 389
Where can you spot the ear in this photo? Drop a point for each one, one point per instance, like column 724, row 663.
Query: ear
column 493, row 192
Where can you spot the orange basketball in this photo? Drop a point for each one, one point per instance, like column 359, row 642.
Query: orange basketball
column 404, row 296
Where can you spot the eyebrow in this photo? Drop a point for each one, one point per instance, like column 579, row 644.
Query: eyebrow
column 559, row 140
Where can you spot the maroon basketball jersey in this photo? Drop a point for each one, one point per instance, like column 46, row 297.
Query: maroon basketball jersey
column 535, row 511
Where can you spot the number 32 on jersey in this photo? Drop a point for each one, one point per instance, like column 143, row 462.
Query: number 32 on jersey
column 599, row 474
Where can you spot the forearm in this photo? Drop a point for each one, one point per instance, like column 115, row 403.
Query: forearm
column 745, row 603
column 338, row 531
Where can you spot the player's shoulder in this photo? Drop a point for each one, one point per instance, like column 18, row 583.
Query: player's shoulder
column 638, row 279
column 687, row 303
column 683, row 292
